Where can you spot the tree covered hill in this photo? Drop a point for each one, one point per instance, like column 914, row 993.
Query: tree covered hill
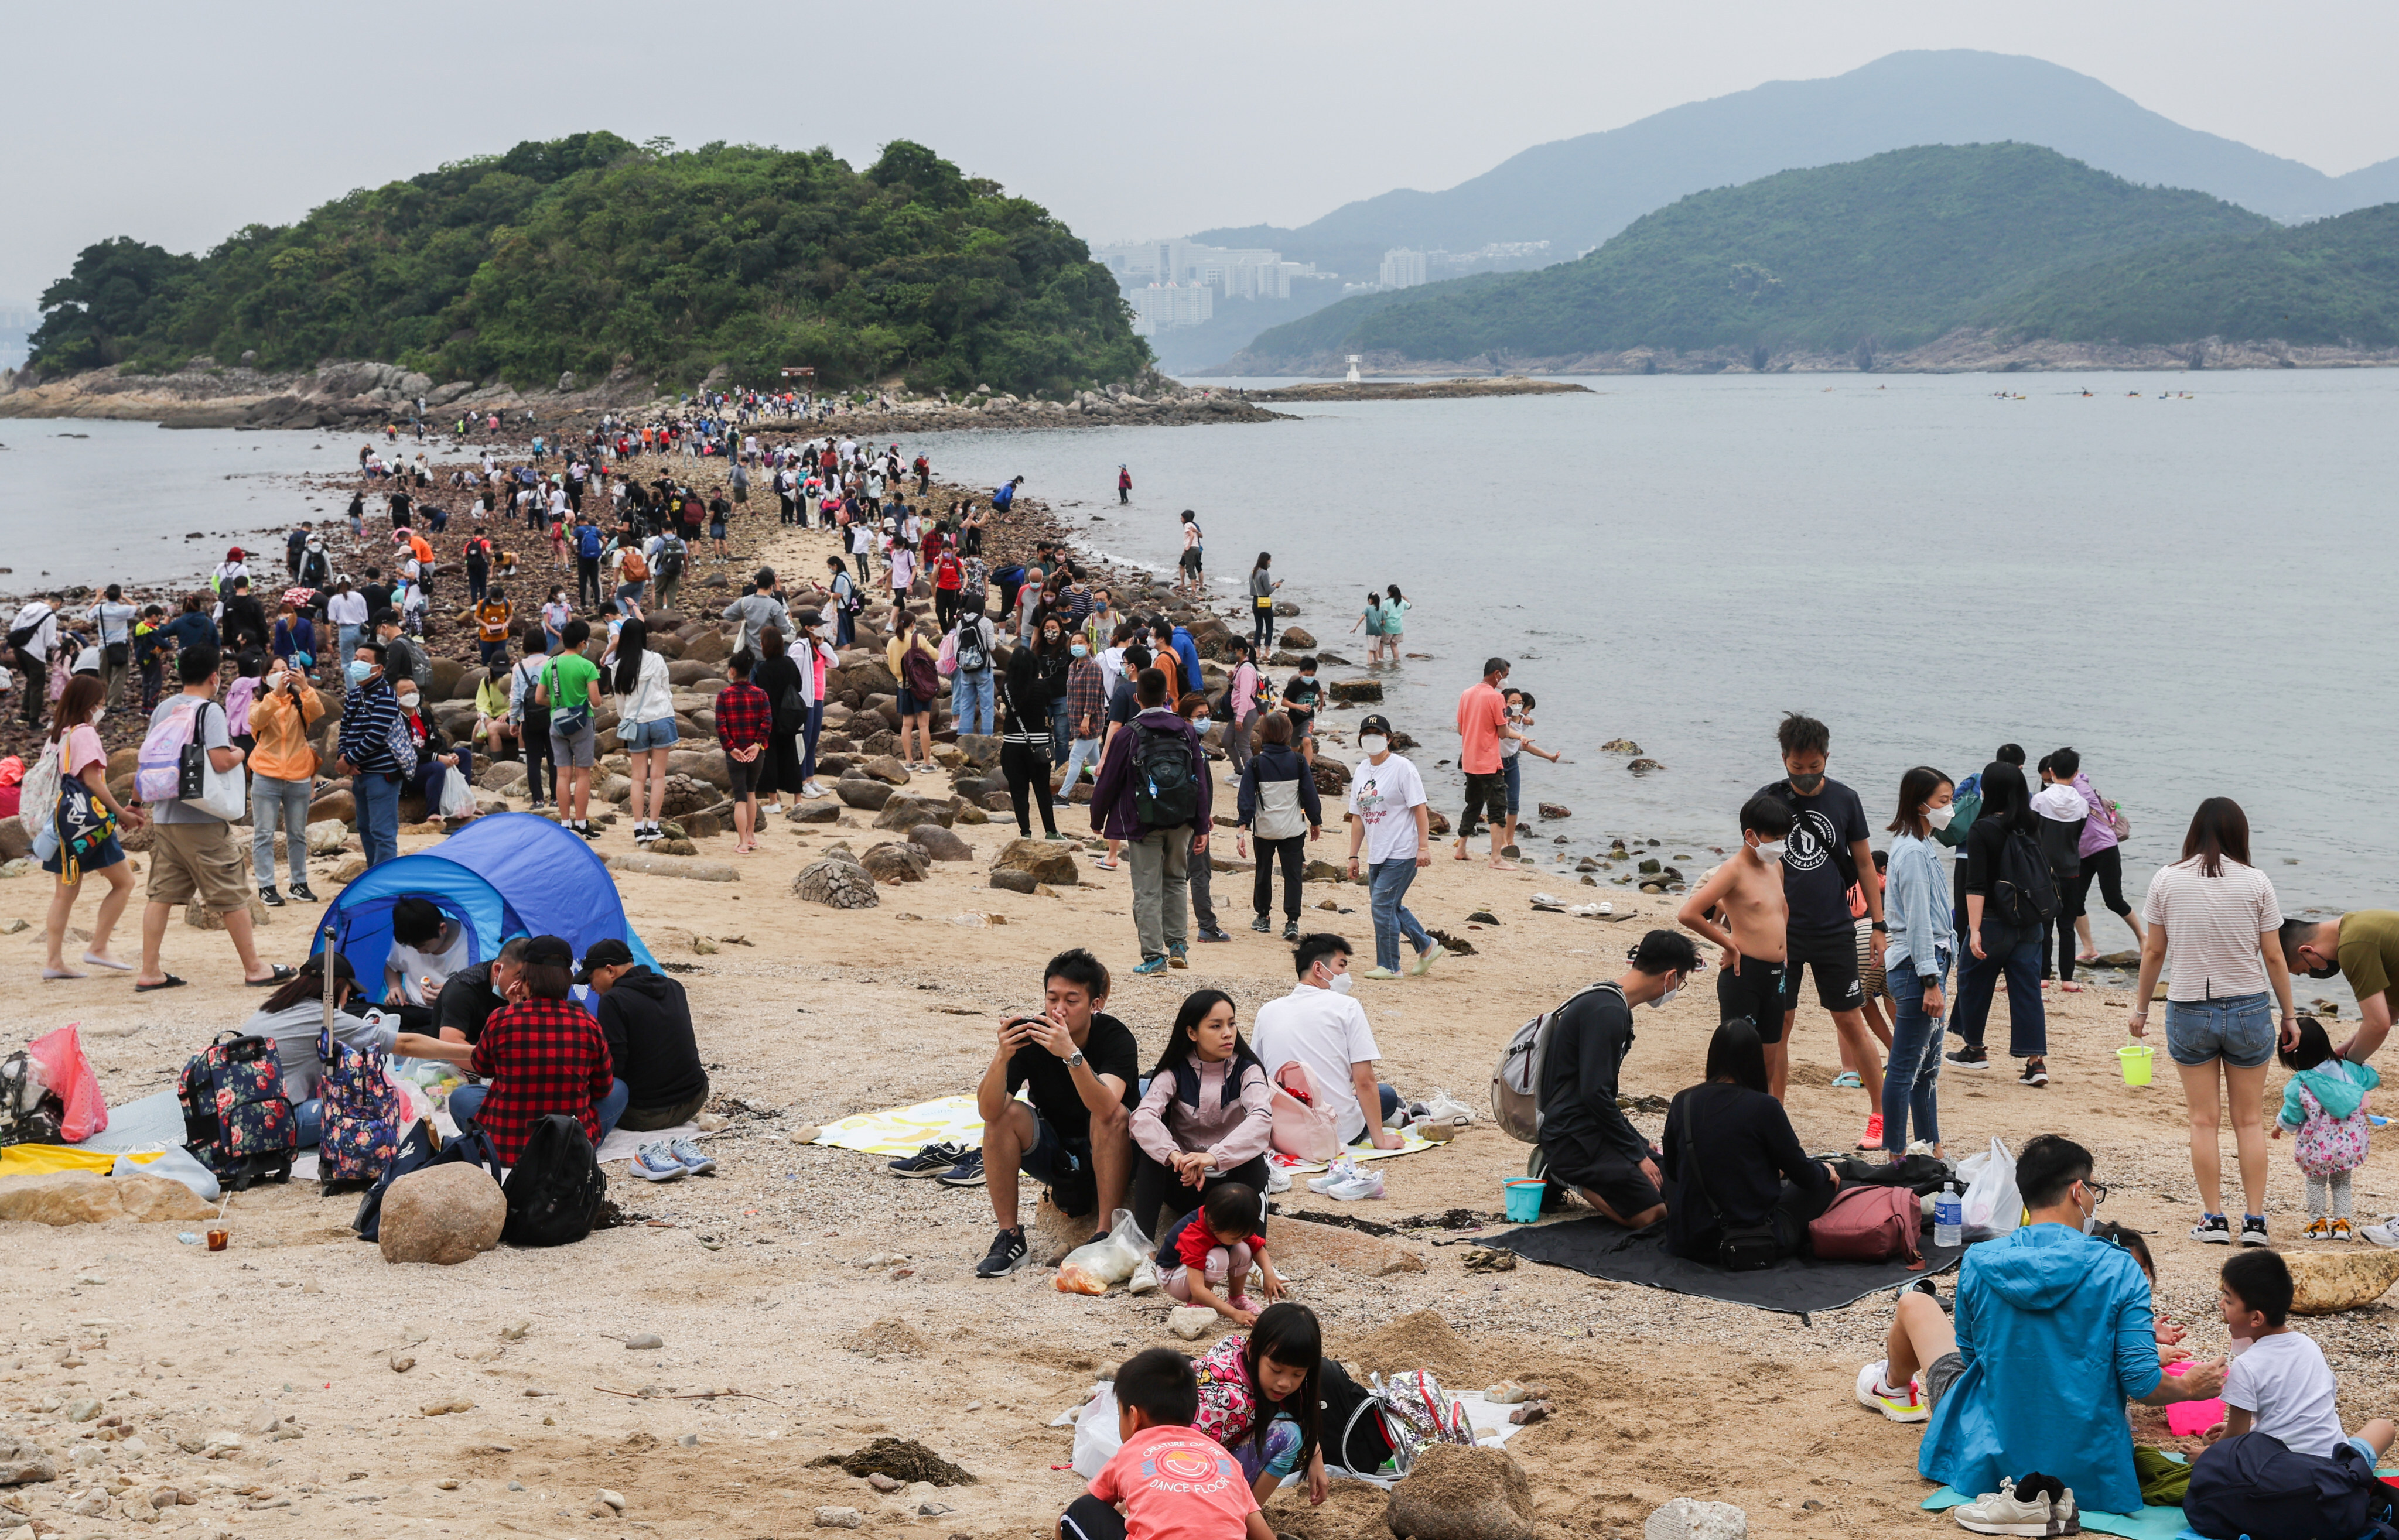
column 592, row 254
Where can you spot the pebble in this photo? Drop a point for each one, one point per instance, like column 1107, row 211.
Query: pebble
column 881, row 1482
column 448, row 1483
column 443, row 1408
column 839, row 1518
column 1190, row 1322
column 646, row 1340
column 82, row 1410
column 515, row 1330
column 689, row 1441
column 613, row 1499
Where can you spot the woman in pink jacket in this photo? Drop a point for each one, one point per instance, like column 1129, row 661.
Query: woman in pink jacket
column 1205, row 1117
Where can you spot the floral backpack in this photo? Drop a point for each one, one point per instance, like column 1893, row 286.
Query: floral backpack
column 237, row 1119
column 362, row 1111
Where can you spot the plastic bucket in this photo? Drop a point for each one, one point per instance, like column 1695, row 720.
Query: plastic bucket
column 2135, row 1059
column 1524, row 1198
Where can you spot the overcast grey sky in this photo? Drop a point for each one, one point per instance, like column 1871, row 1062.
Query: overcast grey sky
column 177, row 124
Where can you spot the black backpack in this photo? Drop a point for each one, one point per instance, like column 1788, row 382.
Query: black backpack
column 2253, row 1485
column 1166, row 783
column 2022, row 892
column 671, row 560
column 972, row 656
column 555, row 1188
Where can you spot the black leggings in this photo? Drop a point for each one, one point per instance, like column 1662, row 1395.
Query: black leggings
column 1027, row 769
column 1292, row 853
column 1155, row 1186
column 1261, row 628
column 2107, row 866
column 535, row 736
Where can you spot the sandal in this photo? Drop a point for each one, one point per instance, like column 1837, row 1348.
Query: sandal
column 1847, row 1081
column 277, row 974
column 170, row 981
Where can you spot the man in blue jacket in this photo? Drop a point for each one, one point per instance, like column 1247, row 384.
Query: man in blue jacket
column 2054, row 1334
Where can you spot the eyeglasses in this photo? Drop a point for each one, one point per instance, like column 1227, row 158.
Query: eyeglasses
column 2098, row 1191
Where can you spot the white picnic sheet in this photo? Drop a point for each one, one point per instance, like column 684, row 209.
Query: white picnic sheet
column 1489, row 1420
column 954, row 1120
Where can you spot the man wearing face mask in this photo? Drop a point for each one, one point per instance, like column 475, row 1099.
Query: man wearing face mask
column 1586, row 1143
column 1747, row 890
column 2363, row 947
column 1319, row 1026
column 370, row 716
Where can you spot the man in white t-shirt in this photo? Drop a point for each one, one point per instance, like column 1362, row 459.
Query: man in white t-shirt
column 426, row 948
column 1319, row 1026
column 1391, row 821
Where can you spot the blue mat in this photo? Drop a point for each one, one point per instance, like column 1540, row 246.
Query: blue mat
column 153, row 1122
column 2147, row 1524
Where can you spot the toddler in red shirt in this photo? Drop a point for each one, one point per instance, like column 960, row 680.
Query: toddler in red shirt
column 1211, row 1250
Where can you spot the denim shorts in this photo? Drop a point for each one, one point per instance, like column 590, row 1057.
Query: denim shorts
column 635, row 737
column 2239, row 1029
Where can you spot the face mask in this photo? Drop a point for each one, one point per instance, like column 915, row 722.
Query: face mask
column 1938, row 817
column 1374, row 743
column 1340, row 984
column 1805, row 785
column 97, row 715
column 1199, row 724
column 2330, row 970
column 1770, row 851
column 408, row 703
column 360, row 670
column 1081, row 651
column 2091, row 1219
column 1659, row 1003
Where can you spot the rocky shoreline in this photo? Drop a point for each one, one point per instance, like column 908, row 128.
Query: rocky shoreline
column 1419, row 390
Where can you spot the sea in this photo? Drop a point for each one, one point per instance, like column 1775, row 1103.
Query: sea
column 2187, row 577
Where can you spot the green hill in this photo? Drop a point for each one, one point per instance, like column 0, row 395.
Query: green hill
column 1889, row 251
column 591, row 253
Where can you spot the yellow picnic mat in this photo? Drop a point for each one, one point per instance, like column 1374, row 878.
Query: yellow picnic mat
column 42, row 1159
column 952, row 1120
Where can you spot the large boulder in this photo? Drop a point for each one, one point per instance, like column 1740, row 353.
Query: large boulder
column 1356, row 692
column 882, row 767
column 467, row 682
column 502, row 775
column 442, row 1214
column 904, row 812
column 870, row 677
column 981, row 749
column 836, row 882
column 685, row 795
column 704, row 765
column 2326, row 1282
column 443, row 684
column 707, row 646
column 1332, row 777
column 857, row 792
column 896, row 862
column 1293, row 636
column 335, row 808
column 813, row 812
column 939, row 843
column 688, row 671
column 1454, row 1492
column 89, row 1197
column 1047, row 860
column 1009, row 880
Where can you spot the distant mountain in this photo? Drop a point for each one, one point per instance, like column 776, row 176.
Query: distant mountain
column 1874, row 256
column 1577, row 193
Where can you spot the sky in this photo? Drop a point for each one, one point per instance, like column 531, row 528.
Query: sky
column 181, row 124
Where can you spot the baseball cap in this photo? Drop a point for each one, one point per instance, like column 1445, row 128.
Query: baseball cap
column 602, row 954
column 1375, row 722
column 550, row 950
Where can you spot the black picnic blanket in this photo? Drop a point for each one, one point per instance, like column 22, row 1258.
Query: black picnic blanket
column 1795, row 1286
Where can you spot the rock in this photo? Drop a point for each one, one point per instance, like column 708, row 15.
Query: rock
column 24, row 1461
column 1620, row 745
column 442, row 1214
column 1690, row 1519
column 1047, row 860
column 1293, row 635
column 705, row 764
column 1356, row 692
column 649, row 863
column 60, row 1197
column 1016, row 881
column 813, row 812
column 895, row 862
column 881, row 1482
column 839, row 1518
column 149, row 1198
column 1642, row 767
column 1332, row 777
column 859, row 793
column 939, row 843
column 2326, row 1282
column 1555, row 810
column 326, row 838
column 1454, row 1492
column 1321, row 871
column 644, row 1341
column 837, row 884
column 904, row 812
column 502, row 775
column 349, row 871
column 882, row 767
column 614, row 1500
column 1190, row 1322
column 81, row 1410
column 333, row 807
column 981, row 749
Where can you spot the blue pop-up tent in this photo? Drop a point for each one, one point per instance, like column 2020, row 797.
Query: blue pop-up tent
column 504, row 874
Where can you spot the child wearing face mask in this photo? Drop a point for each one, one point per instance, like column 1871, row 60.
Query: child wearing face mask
column 1194, row 709
column 1746, row 894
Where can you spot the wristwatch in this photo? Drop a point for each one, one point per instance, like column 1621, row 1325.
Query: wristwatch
column 1075, row 1059
column 1880, row 926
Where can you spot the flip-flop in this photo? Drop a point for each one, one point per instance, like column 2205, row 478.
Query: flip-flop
column 170, row 981
column 108, row 962
column 279, row 975
column 51, row 975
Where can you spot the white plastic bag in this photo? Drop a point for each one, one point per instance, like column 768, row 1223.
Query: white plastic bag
column 178, row 1165
column 1992, row 1202
column 1107, row 1262
column 1095, row 1432
column 457, row 801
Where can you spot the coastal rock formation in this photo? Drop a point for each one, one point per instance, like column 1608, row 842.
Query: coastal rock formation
column 1555, row 810
column 89, row 1197
column 859, row 793
column 443, row 1215
column 2326, row 1282
column 904, row 812
column 895, row 862
column 1356, row 692
column 1293, row 635
column 1046, row 860
column 939, row 843
column 837, row 883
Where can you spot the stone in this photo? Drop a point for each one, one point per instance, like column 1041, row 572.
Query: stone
column 1356, row 692
column 2326, row 1282
column 610, row 787
column 839, row 1518
column 939, row 843
column 81, row 1410
column 813, row 812
column 1047, row 860
column 347, row 871
column 1454, row 1493
column 1555, row 810
column 970, row 813
column 335, row 808
column 1321, row 871
column 442, row 1214
column 1190, row 1322
column 326, row 838
column 1620, row 745
column 613, row 1500
column 1332, row 777
column 686, row 795
column 882, row 767
column 24, row 1461
column 149, row 1198
column 502, row 775
column 835, row 883
column 704, row 765
column 201, row 917
column 1016, row 881
column 650, row 863
column 981, row 749
column 1691, row 1519
column 904, row 812
column 881, row 1482
column 898, row 863
column 60, row 1197
column 1642, row 767
column 859, row 793
column 1293, row 635
column 642, row 1341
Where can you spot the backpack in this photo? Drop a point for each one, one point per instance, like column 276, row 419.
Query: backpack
column 29, row 620
column 362, row 1111
column 419, row 1147
column 1516, row 1083
column 556, row 1186
column 916, row 673
column 38, row 793
column 2256, row 1486
column 159, row 764
column 2023, row 892
column 1868, row 1224
column 635, row 569
column 671, row 560
column 973, row 653
column 587, row 542
column 1165, row 788
column 30, row 1112
column 237, row 1119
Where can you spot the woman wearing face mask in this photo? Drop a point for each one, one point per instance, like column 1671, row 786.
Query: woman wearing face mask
column 1056, row 661
column 1243, row 699
column 1279, row 804
column 435, row 755
column 1392, row 827
column 1194, row 709
column 1916, row 961
column 1024, row 741
column 283, row 772
column 1732, row 1160
column 1087, row 712
column 1262, row 591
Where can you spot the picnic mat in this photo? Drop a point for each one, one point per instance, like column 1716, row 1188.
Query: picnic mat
column 954, row 1120
column 2147, row 1524
column 1793, row 1286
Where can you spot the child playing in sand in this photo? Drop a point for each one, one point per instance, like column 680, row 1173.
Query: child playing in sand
column 1747, row 891
column 1205, row 1257
column 2278, row 1383
column 2325, row 1105
column 1169, row 1479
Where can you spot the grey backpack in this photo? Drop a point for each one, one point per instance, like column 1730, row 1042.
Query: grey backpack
column 1516, row 1083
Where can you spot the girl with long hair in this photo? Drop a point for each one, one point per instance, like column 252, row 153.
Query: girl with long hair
column 1916, row 960
column 83, row 829
column 1207, row 1116
column 646, row 725
column 1997, row 945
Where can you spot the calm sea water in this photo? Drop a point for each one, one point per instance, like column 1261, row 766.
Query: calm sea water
column 2192, row 592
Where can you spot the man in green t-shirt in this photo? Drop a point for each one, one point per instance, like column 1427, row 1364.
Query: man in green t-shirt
column 2364, row 949
column 565, row 688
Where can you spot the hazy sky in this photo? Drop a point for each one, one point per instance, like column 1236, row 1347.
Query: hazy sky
column 178, row 124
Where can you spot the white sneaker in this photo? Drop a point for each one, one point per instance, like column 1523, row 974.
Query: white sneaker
column 657, row 1163
column 2385, row 1235
column 2003, row 1512
column 1342, row 1170
column 1901, row 1406
column 1145, row 1277
column 1362, row 1183
column 1278, row 1179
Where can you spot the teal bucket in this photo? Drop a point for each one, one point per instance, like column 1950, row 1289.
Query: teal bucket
column 1524, row 1198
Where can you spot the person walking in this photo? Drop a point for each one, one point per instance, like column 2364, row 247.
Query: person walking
column 1124, row 486
column 1262, row 586
column 81, row 833
column 2102, row 855
column 1153, row 793
column 283, row 775
column 1916, row 961
column 1244, row 703
column 1278, row 803
column 1393, row 827
column 1371, row 617
column 32, row 635
column 1025, row 743
column 113, row 619
column 1395, row 621
column 786, row 678
column 1193, row 708
column 2001, row 941
column 2213, row 923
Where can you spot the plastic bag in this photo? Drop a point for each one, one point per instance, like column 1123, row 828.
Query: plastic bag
column 177, row 1163
column 457, row 801
column 1095, row 1267
column 70, row 1074
column 1304, row 1126
column 1991, row 1203
column 1096, row 1433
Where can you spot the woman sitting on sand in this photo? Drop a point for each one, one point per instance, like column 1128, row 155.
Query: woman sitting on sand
column 1730, row 1159
column 1206, row 1117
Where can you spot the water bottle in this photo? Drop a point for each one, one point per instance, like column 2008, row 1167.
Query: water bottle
column 1949, row 1216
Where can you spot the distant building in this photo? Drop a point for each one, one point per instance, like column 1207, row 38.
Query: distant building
column 1234, row 274
column 1165, row 306
column 1402, row 268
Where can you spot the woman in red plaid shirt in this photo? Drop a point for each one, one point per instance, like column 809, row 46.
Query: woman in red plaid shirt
column 743, row 717
column 542, row 1053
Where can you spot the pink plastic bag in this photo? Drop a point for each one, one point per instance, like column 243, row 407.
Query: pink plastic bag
column 2189, row 1419
column 1304, row 1127
column 70, row 1074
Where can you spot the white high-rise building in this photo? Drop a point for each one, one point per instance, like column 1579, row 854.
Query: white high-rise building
column 1163, row 307
column 1402, row 268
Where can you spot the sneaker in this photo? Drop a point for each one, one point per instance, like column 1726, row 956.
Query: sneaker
column 1150, row 967
column 1278, row 1179
column 271, row 899
column 1145, row 1277
column 1968, row 1055
column 2385, row 1235
column 1424, row 963
column 2318, row 1229
column 657, row 1163
column 1178, row 955
column 1847, row 1081
column 2036, row 1074
column 2340, row 1231
column 2212, row 1229
column 932, row 1160
column 300, row 891
column 1872, row 1138
column 1378, row 973
column 1341, row 1170
column 695, row 1160
column 1263, row 925
column 1903, row 1405
column 968, row 1172
column 1242, row 1302
column 1006, row 1251
column 1364, row 1182
column 1290, row 930
column 2004, row 1512
column 2253, row 1230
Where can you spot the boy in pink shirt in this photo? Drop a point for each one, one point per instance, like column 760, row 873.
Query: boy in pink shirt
column 1170, row 1481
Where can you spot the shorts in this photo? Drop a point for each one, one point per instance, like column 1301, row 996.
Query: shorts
column 909, row 705
column 1753, row 992
column 574, row 754
column 1870, row 975
column 1487, row 797
column 1515, row 772
column 636, row 738
column 1939, row 1375
column 1834, row 959
column 2239, row 1029
column 742, row 778
column 197, row 863
column 1063, row 1166
column 1303, row 724
column 100, row 858
column 1190, row 561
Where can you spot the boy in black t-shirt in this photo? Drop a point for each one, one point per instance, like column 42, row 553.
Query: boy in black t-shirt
column 1083, row 1072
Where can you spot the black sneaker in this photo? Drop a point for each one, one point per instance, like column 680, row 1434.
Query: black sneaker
column 300, row 891
column 1006, row 1251
column 966, row 1173
column 271, row 899
column 2036, row 1074
column 2213, row 1229
column 1290, row 930
column 1213, row 936
column 932, row 1160
column 1262, row 925
column 2253, row 1230
column 1968, row 1055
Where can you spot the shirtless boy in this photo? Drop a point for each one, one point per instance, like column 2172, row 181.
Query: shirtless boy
column 1748, row 891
